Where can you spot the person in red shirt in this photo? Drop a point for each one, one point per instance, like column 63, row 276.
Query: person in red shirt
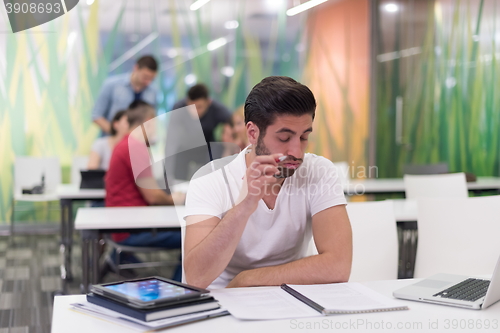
column 122, row 189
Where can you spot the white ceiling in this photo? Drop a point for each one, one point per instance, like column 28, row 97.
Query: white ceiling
column 257, row 16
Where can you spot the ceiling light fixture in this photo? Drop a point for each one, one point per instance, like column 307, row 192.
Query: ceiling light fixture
column 391, row 7
column 198, row 4
column 227, row 71
column 216, row 44
column 303, row 7
column 229, row 25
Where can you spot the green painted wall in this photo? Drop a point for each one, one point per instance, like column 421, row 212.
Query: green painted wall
column 444, row 66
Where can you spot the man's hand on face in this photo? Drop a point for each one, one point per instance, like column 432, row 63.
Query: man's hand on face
column 259, row 174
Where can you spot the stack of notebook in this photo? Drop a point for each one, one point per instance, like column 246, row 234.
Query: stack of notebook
column 150, row 303
column 166, row 311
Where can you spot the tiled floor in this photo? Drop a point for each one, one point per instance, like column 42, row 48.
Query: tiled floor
column 30, row 277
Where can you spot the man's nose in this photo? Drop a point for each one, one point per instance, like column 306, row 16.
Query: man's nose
column 294, row 148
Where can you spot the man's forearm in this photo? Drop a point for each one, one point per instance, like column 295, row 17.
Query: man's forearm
column 208, row 259
column 321, row 268
column 103, row 123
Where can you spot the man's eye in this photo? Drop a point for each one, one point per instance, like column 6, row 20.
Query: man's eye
column 304, row 139
column 285, row 140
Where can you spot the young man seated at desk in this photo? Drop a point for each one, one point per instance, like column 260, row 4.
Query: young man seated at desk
column 250, row 223
column 122, row 189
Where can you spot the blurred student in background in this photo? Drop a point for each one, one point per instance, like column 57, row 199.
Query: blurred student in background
column 119, row 91
column 122, row 188
column 101, row 150
column 210, row 112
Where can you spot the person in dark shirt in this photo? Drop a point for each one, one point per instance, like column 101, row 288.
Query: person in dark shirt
column 210, row 112
column 190, row 134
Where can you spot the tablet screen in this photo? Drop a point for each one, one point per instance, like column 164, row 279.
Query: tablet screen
column 150, row 290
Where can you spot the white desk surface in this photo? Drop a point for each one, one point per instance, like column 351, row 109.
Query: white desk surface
column 420, row 318
column 72, row 191
column 405, row 210
column 169, row 216
column 129, row 217
column 381, row 185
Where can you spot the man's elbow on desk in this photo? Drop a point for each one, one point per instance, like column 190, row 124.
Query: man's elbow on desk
column 197, row 280
column 339, row 272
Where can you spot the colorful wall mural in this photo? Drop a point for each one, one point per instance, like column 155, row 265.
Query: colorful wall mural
column 440, row 60
column 337, row 71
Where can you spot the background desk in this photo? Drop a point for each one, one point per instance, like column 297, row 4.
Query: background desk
column 420, row 318
column 396, row 185
column 92, row 221
column 67, row 193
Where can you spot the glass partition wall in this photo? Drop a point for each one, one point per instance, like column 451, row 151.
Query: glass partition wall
column 436, row 70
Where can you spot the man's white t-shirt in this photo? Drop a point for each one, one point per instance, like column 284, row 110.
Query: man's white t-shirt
column 271, row 236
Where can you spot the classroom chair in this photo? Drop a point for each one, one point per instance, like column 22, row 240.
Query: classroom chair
column 28, row 173
column 122, row 269
column 457, row 236
column 452, row 185
column 375, row 241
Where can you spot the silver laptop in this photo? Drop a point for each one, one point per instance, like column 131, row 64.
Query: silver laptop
column 455, row 290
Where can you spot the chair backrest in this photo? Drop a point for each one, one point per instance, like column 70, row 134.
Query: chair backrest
column 452, row 185
column 458, row 236
column 78, row 163
column 343, row 171
column 375, row 241
column 183, row 237
column 425, row 169
column 28, row 171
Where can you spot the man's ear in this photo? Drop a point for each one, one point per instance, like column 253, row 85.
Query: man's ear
column 253, row 133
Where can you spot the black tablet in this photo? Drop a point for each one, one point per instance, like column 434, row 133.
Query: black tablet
column 149, row 292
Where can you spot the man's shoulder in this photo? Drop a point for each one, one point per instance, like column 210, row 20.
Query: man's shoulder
column 119, row 79
column 218, row 106
column 179, row 104
column 121, row 147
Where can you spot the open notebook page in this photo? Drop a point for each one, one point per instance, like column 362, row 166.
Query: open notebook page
column 262, row 303
column 347, row 297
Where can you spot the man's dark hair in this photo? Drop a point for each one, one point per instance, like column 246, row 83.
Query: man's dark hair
column 197, row 92
column 149, row 62
column 138, row 112
column 116, row 118
column 277, row 95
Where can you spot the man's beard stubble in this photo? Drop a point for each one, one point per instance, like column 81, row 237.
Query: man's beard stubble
column 261, row 149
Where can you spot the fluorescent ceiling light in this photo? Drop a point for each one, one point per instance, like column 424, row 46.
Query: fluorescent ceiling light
column 231, row 25
column 90, row 2
column 198, row 4
column 227, row 71
column 190, row 79
column 216, row 44
column 391, row 7
column 303, row 7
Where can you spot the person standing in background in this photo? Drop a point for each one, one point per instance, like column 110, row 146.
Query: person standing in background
column 210, row 112
column 119, row 91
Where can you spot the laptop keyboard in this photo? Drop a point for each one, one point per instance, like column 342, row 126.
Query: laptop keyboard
column 468, row 290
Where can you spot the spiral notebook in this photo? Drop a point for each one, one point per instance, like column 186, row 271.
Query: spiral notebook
column 340, row 298
column 298, row 301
